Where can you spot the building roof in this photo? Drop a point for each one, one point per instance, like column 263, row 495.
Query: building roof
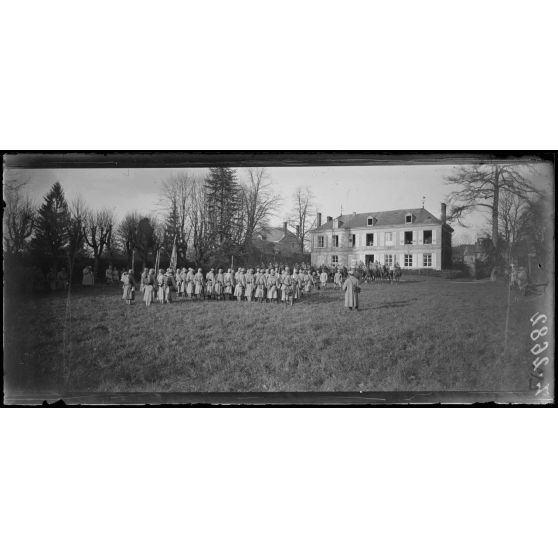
column 276, row 234
column 383, row 219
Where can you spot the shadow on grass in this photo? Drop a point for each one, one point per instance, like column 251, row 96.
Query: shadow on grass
column 397, row 304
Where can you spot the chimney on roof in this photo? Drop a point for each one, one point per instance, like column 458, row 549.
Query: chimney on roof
column 319, row 219
column 284, row 227
column 298, row 230
column 329, row 218
column 443, row 216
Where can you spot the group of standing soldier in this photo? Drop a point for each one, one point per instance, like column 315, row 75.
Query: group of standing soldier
column 253, row 285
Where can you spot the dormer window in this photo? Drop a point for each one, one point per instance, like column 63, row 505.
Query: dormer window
column 371, row 221
column 409, row 218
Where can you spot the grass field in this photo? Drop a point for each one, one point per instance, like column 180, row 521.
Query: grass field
column 426, row 333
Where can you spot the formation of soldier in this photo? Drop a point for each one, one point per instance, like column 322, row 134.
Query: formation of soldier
column 263, row 285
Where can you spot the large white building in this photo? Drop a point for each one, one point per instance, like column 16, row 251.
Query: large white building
column 413, row 237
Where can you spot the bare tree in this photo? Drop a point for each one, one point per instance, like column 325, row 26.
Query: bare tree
column 19, row 217
column 127, row 234
column 482, row 186
column 259, row 203
column 510, row 209
column 198, row 223
column 176, row 198
column 98, row 230
column 302, row 214
column 158, row 226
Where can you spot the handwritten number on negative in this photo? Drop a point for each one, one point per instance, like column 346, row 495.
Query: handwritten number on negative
column 541, row 317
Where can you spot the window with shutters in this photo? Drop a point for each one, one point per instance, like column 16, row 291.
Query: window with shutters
column 370, row 239
column 336, row 241
column 352, row 240
column 408, row 237
column 320, row 241
column 427, row 237
column 334, row 260
column 388, row 259
column 427, row 260
column 389, row 238
column 408, row 261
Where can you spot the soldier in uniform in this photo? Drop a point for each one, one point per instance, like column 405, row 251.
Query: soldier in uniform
column 228, row 282
column 337, row 283
column 240, row 284
column 181, row 283
column 296, row 285
column 271, row 285
column 161, row 280
column 210, row 283
column 323, row 278
column 149, row 288
column 143, row 277
column 129, row 286
column 250, row 285
column 219, row 284
column 351, row 288
column 261, row 283
column 190, row 283
column 287, row 287
column 168, row 285
column 199, row 284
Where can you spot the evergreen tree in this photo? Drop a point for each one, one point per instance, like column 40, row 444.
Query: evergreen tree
column 224, row 209
column 145, row 240
column 174, row 231
column 52, row 226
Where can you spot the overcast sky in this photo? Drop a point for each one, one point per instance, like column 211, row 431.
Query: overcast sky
column 360, row 189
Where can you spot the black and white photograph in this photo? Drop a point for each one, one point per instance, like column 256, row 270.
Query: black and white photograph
column 278, row 278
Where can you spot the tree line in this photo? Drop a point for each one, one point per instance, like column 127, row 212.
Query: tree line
column 206, row 219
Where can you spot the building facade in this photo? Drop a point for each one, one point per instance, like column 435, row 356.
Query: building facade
column 414, row 238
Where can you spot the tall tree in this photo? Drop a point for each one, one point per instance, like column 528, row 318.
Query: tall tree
column 198, row 219
column 98, row 230
column 536, row 229
column 19, row 217
column 224, row 204
column 510, row 209
column 260, row 203
column 51, row 230
column 76, row 233
column 145, row 240
column 127, row 234
column 480, row 186
column 176, row 197
column 302, row 214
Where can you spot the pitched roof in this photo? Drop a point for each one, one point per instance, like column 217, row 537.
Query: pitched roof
column 275, row 234
column 383, row 219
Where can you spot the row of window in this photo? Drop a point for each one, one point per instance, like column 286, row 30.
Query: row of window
column 370, row 240
column 388, row 260
column 371, row 221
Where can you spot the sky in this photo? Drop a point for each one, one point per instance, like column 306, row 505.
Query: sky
column 347, row 188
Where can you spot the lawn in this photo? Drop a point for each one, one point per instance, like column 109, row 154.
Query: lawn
column 427, row 333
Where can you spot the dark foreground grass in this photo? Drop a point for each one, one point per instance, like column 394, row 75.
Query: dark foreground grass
column 424, row 334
